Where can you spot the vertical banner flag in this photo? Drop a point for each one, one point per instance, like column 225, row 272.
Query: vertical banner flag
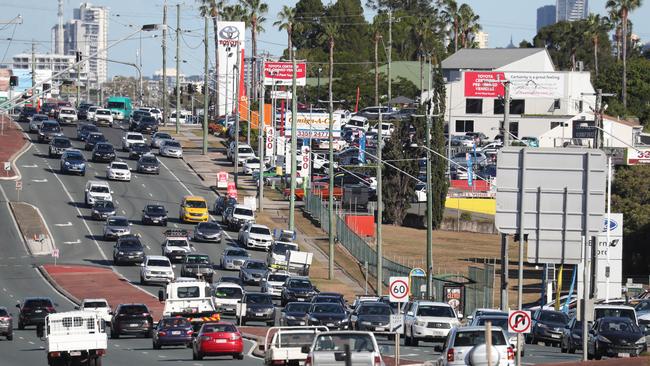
column 230, row 36
column 362, row 148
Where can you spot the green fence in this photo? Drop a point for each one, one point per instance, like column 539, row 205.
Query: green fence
column 478, row 284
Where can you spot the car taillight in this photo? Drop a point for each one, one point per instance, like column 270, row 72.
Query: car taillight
column 161, row 334
column 511, row 354
column 308, row 361
column 145, row 314
column 5, row 318
column 189, row 332
column 377, row 361
column 50, row 309
column 100, row 352
column 235, row 337
column 450, row 355
column 55, row 354
column 206, row 338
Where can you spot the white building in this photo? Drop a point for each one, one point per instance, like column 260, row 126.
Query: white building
column 482, row 39
column 571, row 10
column 171, row 77
column 49, row 62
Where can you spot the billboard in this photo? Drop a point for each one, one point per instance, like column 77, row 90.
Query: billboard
column 281, row 73
column 523, row 85
column 313, row 125
column 638, row 156
column 230, row 38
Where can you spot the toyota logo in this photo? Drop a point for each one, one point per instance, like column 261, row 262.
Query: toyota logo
column 229, row 32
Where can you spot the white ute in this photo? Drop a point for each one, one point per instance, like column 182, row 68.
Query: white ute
column 99, row 306
column 75, row 338
column 130, row 138
column 284, row 345
column 176, row 245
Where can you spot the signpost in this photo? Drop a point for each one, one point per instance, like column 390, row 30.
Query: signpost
column 55, row 254
column 222, row 180
column 398, row 291
column 519, row 321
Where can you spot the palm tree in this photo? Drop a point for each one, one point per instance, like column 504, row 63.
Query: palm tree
column 467, row 24
column 233, row 13
column 287, row 21
column 450, row 15
column 596, row 25
column 623, row 8
column 211, row 8
column 255, row 10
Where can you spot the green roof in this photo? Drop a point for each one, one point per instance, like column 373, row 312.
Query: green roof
column 409, row 70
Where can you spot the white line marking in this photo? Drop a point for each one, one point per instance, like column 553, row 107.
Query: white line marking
column 39, row 180
column 143, row 185
column 117, row 203
column 150, row 195
column 21, row 337
column 66, row 224
column 145, row 352
column 11, row 296
column 30, row 342
column 72, row 242
column 148, row 247
column 124, row 212
column 30, row 166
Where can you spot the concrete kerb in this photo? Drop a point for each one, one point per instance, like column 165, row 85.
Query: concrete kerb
column 56, row 285
column 36, row 247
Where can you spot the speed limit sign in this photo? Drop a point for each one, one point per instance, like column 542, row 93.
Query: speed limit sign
column 398, row 289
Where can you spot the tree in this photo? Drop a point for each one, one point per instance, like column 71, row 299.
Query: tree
column 439, row 183
column 623, row 8
column 211, row 8
column 255, row 10
column 309, row 15
column 595, row 26
column 286, row 21
column 233, row 13
column 451, row 16
column 468, row 25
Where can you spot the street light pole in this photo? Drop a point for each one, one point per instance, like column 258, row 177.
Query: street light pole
column 429, row 192
column 205, row 83
column 178, row 66
column 294, row 147
column 164, row 67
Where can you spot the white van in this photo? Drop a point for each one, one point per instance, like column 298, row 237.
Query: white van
column 358, row 123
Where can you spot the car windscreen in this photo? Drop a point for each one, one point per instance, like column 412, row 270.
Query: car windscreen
column 104, row 204
column 300, row 284
column 208, row 226
column 197, row 259
column 281, row 248
column 329, row 299
column 75, row 156
column 135, row 137
column 155, row 209
column 243, row 211
column 615, row 312
column 163, row 136
column 158, row 263
column 438, row 311
column 96, row 138
column 99, row 189
column 622, row 325
column 374, row 310
column 501, row 321
column 148, row 119
column 228, row 293
column 50, row 127
column 476, row 337
column 553, row 317
column 277, row 277
column 236, row 253
column 61, row 143
column 148, row 160
column 38, row 303
column 117, row 105
column 118, row 221
column 120, row 166
column 176, row 323
column 218, row 328
column 104, row 147
column 95, row 304
column 327, row 308
column 178, row 243
column 102, row 112
column 134, row 309
column 260, row 230
column 89, row 128
column 188, row 292
column 337, row 342
column 133, row 244
column 172, row 144
column 256, row 265
column 258, row 299
column 297, row 307
column 246, row 150
column 196, row 204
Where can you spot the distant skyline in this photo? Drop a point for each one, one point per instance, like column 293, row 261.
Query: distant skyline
column 514, row 19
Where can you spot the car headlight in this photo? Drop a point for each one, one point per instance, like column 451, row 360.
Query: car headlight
column 96, row 212
column 290, row 317
column 311, row 319
column 66, row 163
column 366, row 323
column 120, row 252
column 543, row 326
column 420, row 323
column 603, row 339
column 641, row 340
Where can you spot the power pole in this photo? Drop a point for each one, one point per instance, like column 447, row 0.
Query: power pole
column 205, row 82
column 330, row 198
column 294, row 147
column 33, row 66
column 505, row 257
column 237, row 102
column 178, row 66
column 260, row 144
column 390, row 54
column 506, row 114
column 429, row 191
column 164, row 67
column 78, row 58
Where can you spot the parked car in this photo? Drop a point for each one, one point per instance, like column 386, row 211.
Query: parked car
column 172, row 331
column 58, row 145
column 218, row 339
column 615, row 337
column 465, row 344
column 259, row 307
column 132, row 319
column 33, row 311
column 548, row 326
column 572, row 336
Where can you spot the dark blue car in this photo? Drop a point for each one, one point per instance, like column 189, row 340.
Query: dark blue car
column 73, row 161
column 172, row 331
column 84, row 130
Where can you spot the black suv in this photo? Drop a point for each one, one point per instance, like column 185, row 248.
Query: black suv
column 297, row 289
column 93, row 139
column 137, row 150
column 48, row 131
column 84, row 130
column 26, row 114
column 34, row 310
column 154, row 215
column 197, row 265
column 104, row 152
column 148, row 163
column 147, row 125
column 128, row 249
column 131, row 319
column 58, row 145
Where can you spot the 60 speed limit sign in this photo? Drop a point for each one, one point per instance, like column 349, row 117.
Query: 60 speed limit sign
column 398, row 289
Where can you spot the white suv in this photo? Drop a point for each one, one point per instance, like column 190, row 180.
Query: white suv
column 466, row 345
column 273, row 283
column 130, row 138
column 99, row 306
column 428, row 320
column 97, row 190
column 156, row 268
column 255, row 236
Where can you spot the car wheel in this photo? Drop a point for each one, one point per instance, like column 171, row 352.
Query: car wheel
column 10, row 337
column 148, row 334
column 21, row 326
column 197, row 355
column 239, row 356
column 570, row 349
column 562, row 348
column 115, row 334
column 270, row 324
column 142, row 280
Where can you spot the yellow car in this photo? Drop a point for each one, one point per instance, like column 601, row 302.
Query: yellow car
column 194, row 209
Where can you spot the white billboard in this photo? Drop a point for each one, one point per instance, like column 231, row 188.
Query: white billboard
column 526, row 85
column 313, row 125
column 230, row 39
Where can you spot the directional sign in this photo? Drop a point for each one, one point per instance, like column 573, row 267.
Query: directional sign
column 397, row 323
column 519, row 321
column 399, row 289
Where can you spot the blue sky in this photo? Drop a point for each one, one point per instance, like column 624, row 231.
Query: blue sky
column 500, row 18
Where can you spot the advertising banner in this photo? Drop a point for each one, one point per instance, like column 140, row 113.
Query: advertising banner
column 281, row 73
column 269, row 140
column 313, row 125
column 523, row 85
column 230, row 39
column 638, row 156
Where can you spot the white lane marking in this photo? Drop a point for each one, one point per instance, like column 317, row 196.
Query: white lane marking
column 143, row 185
column 39, row 180
column 148, row 247
column 30, row 342
column 11, row 257
column 162, row 356
column 4, row 289
column 78, row 241
column 104, row 257
column 175, row 225
column 21, row 337
column 66, row 224
column 11, row 295
column 116, row 345
column 30, row 166
column 89, row 165
column 145, row 352
column 123, row 212
column 150, row 195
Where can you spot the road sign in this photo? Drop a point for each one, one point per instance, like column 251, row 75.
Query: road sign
column 399, row 289
column 55, row 253
column 19, row 185
column 397, row 323
column 555, row 206
column 232, row 190
column 7, row 166
column 222, row 180
column 519, row 321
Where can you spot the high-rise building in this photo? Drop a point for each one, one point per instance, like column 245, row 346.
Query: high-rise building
column 571, row 10
column 545, row 16
column 481, row 39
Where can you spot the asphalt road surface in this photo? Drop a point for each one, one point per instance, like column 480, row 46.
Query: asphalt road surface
column 79, row 239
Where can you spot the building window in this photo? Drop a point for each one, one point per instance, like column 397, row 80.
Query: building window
column 517, row 106
column 464, row 126
column 473, row 106
column 514, row 129
column 556, row 104
column 557, row 124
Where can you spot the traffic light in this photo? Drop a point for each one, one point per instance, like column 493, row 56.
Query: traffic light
column 190, row 88
column 46, row 87
column 13, row 81
column 77, row 56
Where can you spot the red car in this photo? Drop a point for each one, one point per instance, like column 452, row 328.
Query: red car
column 218, row 339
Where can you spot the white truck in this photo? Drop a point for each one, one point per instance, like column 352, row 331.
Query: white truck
column 98, row 306
column 75, row 337
column 298, row 263
column 284, row 345
column 189, row 298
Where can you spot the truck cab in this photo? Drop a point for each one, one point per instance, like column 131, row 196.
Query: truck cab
column 189, row 298
column 122, row 106
column 75, row 337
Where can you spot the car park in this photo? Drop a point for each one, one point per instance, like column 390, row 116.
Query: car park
column 208, row 231
column 72, row 161
column 252, row 271
column 465, row 344
column 255, row 236
column 118, row 170
column 259, row 308
column 97, row 190
column 172, row 331
column 297, row 289
column 101, row 210
column 83, row 130
column 58, row 145
column 103, row 152
column 233, row 258
column 227, row 295
column 158, row 137
column 132, row 319
column 103, row 117
column 154, row 214
column 273, row 282
column 92, row 139
column 148, row 163
column 218, row 339
column 193, row 209
column 116, row 226
column 615, row 337
column 49, row 130
column 156, row 269
column 197, row 265
column 33, row 310
column 171, row 148
column 128, row 249
column 137, row 150
column 428, row 320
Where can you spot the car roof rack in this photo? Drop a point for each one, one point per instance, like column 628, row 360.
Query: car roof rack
column 176, row 233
